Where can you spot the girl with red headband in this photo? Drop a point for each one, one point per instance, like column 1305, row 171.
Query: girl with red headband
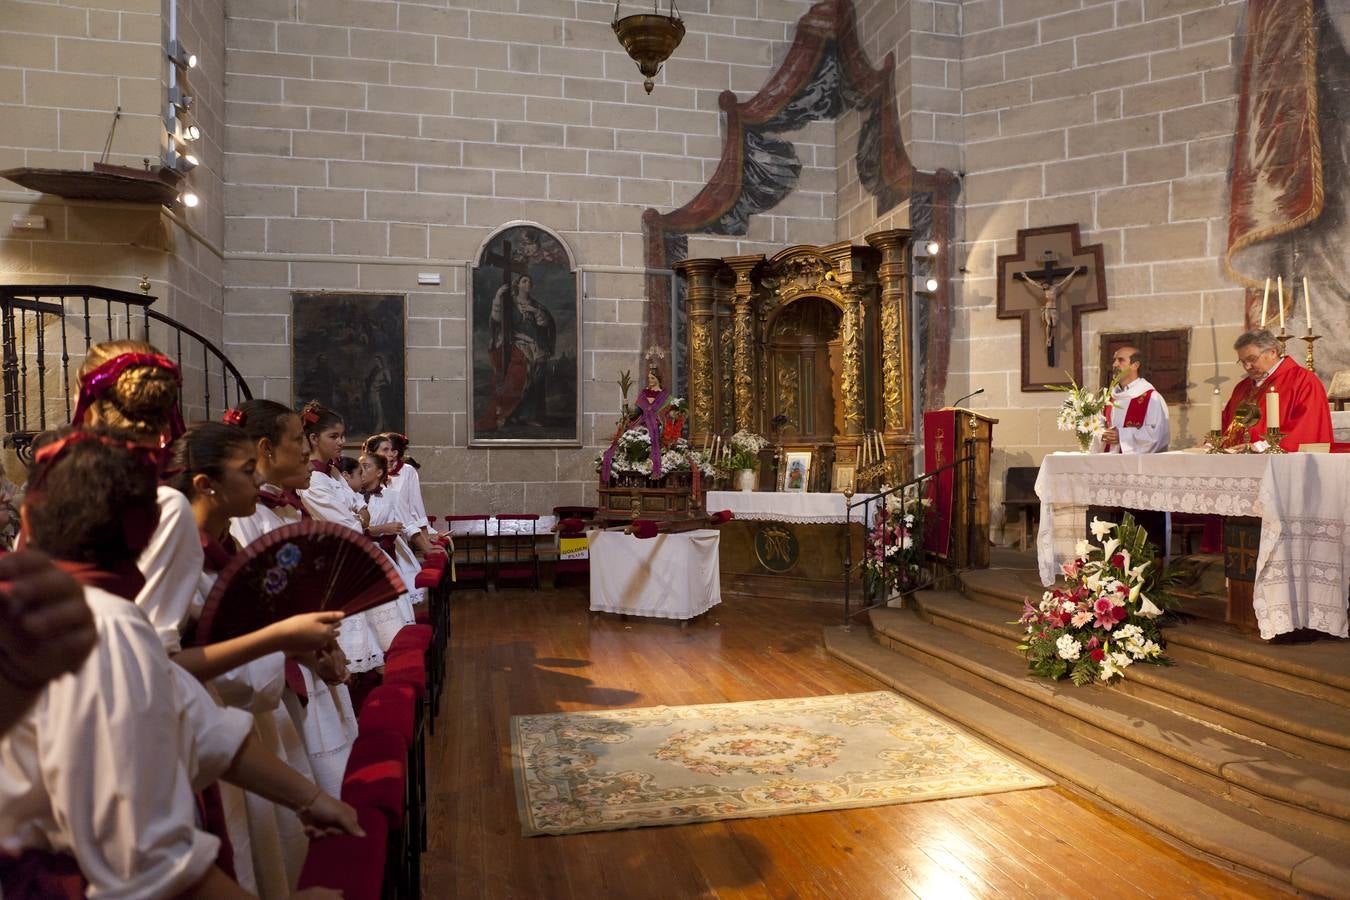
column 128, row 386
column 214, row 466
column 97, row 781
column 404, row 488
column 316, row 697
column 365, row 637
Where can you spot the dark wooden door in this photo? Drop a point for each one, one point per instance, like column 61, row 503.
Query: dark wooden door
column 1165, row 356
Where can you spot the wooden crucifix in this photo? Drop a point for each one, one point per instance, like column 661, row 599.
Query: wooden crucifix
column 1048, row 284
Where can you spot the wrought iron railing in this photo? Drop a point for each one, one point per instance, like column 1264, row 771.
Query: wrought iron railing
column 886, row 572
column 47, row 328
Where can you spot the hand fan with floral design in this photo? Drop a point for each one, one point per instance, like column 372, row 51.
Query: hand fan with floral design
column 309, row 566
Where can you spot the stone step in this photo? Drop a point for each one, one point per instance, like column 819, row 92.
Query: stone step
column 1294, row 721
column 1308, row 793
column 1209, row 824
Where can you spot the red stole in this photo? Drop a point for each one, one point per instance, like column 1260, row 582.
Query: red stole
column 121, row 578
column 1134, row 416
column 1305, row 415
column 273, row 497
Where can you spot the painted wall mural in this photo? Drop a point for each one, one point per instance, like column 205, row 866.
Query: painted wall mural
column 824, row 73
column 1290, row 180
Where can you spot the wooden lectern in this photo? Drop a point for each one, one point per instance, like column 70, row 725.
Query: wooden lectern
column 953, row 434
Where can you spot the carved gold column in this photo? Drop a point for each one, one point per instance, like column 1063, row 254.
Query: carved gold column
column 743, row 371
column 851, row 338
column 896, row 407
column 702, row 346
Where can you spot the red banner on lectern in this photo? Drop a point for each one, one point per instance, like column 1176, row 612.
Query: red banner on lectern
column 939, row 449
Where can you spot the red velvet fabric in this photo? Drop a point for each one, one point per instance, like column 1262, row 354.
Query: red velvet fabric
column 411, row 637
column 390, row 708
column 376, row 772
column 428, row 578
column 353, row 865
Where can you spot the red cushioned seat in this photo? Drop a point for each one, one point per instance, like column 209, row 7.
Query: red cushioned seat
column 408, row 670
column 353, row 865
column 411, row 637
column 390, row 708
column 428, row 578
column 422, row 616
column 376, row 773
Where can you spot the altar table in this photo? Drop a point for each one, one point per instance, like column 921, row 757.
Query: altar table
column 1302, row 499
column 670, row 576
column 816, row 508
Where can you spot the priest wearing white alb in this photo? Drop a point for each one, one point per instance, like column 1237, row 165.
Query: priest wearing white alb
column 1137, row 422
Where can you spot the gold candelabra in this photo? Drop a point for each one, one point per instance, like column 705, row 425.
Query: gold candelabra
column 1283, row 337
column 1310, row 338
column 1273, row 438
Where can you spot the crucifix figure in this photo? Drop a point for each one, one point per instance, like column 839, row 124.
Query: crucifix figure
column 1048, row 283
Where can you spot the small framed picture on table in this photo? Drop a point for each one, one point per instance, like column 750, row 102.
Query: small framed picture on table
column 797, row 471
column 844, row 477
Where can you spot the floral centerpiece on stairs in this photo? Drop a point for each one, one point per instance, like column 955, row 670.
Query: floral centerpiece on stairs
column 1103, row 620
column 1084, row 412
column 894, row 548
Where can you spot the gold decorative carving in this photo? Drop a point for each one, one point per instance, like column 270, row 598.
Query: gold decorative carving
column 798, row 275
column 701, row 356
column 787, row 397
column 850, row 333
column 892, row 398
column 728, row 370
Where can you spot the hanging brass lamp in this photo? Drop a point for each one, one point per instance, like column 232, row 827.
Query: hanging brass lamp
column 649, row 38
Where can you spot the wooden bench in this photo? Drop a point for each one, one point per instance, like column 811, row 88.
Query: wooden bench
column 1019, row 494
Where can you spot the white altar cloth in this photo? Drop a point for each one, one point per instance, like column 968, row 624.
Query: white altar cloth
column 670, row 576
column 1302, row 499
column 782, row 506
column 543, row 526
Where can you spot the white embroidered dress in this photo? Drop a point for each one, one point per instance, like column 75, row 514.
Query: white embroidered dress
column 105, row 765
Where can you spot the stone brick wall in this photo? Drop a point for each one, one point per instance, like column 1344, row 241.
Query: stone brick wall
column 64, row 68
column 1117, row 116
column 370, row 141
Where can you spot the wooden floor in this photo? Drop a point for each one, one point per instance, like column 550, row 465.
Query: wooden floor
column 520, row 652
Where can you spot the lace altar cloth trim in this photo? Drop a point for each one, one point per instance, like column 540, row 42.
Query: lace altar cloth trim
column 775, row 506
column 1303, row 567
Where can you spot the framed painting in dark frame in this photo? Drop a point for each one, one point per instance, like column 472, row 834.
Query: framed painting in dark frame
column 524, row 341
column 348, row 351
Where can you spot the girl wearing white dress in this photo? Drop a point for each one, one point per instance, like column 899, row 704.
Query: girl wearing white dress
column 97, row 779
column 404, row 488
column 215, row 468
column 367, row 635
column 316, row 697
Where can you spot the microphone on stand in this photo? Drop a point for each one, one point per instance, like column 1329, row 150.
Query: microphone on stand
column 968, row 396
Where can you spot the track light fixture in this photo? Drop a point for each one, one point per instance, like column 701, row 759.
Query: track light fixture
column 188, row 199
column 933, row 247
column 930, row 284
column 185, row 163
column 180, row 56
column 180, row 99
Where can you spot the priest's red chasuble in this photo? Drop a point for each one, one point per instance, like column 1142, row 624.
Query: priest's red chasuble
column 1305, row 416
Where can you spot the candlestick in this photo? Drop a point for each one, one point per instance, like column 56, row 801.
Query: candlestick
column 1307, row 304
column 881, row 439
column 1265, row 302
column 1308, row 357
column 1273, row 438
column 1279, row 291
column 1272, row 411
column 863, row 450
column 1284, row 338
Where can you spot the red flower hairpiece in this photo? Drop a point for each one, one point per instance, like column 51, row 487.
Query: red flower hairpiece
column 233, row 417
column 309, row 417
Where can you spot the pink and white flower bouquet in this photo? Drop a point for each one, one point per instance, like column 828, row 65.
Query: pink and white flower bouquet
column 1103, row 620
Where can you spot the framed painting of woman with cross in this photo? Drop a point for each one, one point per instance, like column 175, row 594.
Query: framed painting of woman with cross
column 524, row 340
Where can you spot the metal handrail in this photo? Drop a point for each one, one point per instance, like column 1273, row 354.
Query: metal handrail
column 21, row 304
column 878, row 498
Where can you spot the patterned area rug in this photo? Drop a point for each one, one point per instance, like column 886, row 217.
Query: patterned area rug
column 669, row 765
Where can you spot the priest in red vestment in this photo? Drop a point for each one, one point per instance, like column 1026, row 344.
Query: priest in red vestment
column 1305, row 415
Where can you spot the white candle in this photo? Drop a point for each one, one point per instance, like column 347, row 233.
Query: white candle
column 1279, row 290
column 1272, row 411
column 881, row 441
column 1215, row 417
column 1265, row 302
column 1307, row 304
column 862, row 458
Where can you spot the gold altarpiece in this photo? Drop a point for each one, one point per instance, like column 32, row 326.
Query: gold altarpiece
column 819, row 335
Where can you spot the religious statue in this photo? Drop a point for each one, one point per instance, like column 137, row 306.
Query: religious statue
column 1049, row 291
column 647, row 440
